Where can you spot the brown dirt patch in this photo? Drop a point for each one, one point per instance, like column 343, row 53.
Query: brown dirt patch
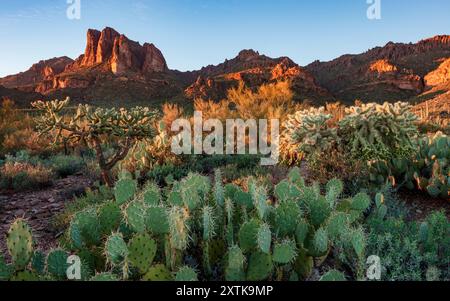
column 38, row 208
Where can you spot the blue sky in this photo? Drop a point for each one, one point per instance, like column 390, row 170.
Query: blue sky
column 195, row 33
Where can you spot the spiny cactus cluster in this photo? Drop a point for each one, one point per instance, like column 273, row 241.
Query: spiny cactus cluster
column 367, row 132
column 379, row 132
column 193, row 230
column 428, row 170
column 307, row 132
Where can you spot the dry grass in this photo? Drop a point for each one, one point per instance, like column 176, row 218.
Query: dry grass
column 270, row 101
column 21, row 176
column 17, row 131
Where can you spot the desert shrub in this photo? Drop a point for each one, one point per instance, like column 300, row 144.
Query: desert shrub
column 23, row 156
column 17, row 132
column 269, row 101
column 23, row 176
column 233, row 167
column 162, row 174
column 409, row 251
column 435, row 242
column 232, row 172
column 27, row 139
column 396, row 244
column 65, row 166
column 334, row 163
column 207, row 164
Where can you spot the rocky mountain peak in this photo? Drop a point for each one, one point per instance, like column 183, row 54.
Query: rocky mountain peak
column 119, row 54
column 247, row 54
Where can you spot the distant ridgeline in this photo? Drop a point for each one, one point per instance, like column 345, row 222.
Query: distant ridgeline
column 115, row 70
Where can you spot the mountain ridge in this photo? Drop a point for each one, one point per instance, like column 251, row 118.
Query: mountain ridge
column 113, row 66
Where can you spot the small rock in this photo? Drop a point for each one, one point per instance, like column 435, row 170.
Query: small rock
column 19, row 213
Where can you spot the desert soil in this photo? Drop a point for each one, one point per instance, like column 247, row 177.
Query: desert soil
column 38, row 208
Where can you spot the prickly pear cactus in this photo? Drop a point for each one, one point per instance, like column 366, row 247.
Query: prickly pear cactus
column 135, row 215
column 260, row 266
column 301, row 232
column 360, row 202
column 286, row 217
column 6, row 270
column 158, row 272
column 337, row 223
column 38, row 262
column 304, row 264
column 109, row 217
column 319, row 211
column 320, row 243
column 243, row 198
column 152, row 195
column 103, row 277
column 116, row 249
column 284, row 252
column 234, row 270
column 57, row 264
column 85, row 228
column 334, row 188
column 264, row 238
column 124, row 190
column 20, row 243
column 186, row 274
column 142, row 250
column 157, row 220
column 25, row 276
column 333, row 275
column 248, row 234
column 358, row 242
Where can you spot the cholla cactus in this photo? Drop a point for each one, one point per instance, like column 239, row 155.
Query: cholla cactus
column 374, row 132
column 307, row 132
column 92, row 125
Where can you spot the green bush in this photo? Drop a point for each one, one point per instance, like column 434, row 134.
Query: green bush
column 66, row 165
column 161, row 174
column 408, row 251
